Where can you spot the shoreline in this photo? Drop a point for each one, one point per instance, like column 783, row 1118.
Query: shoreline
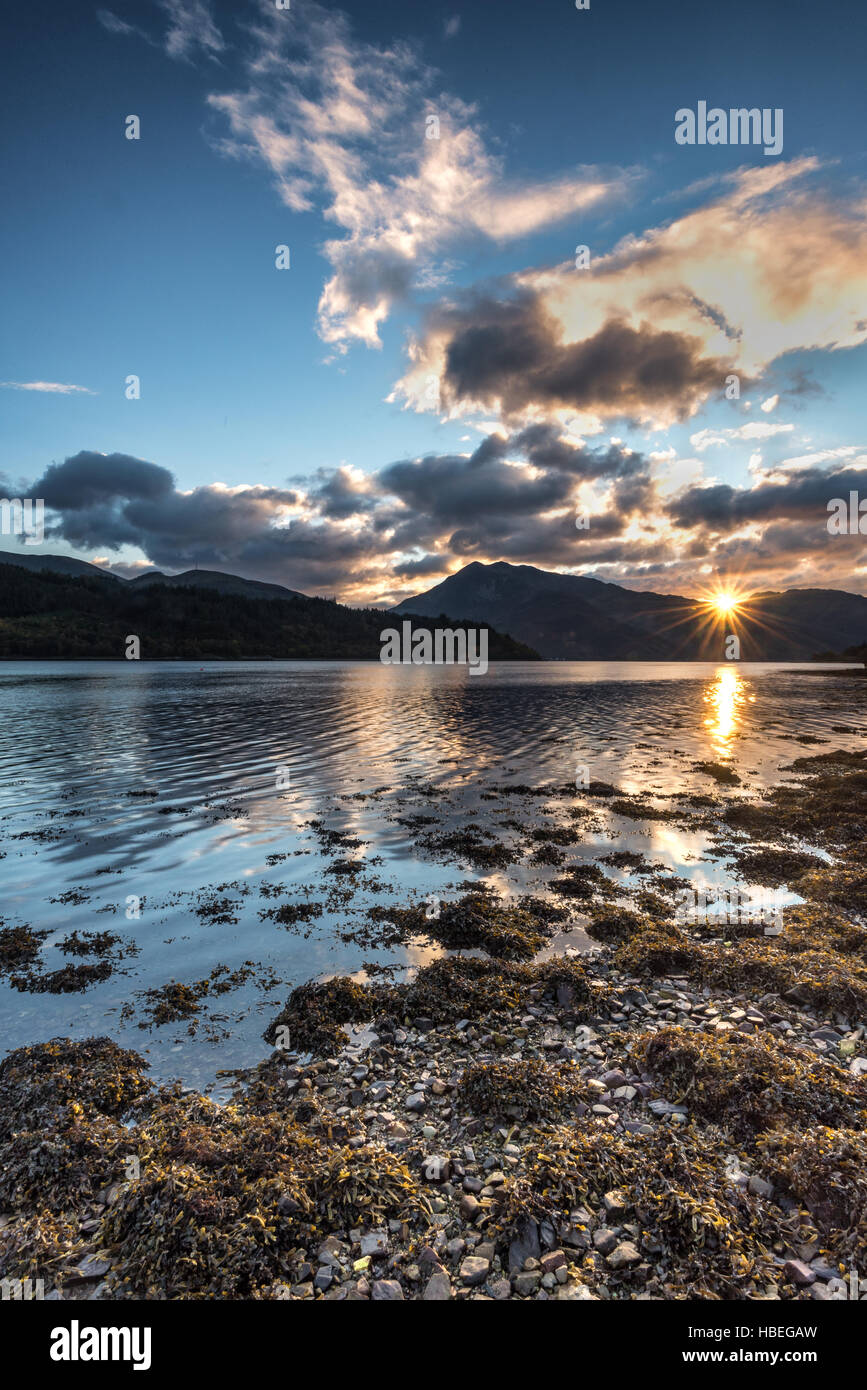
column 658, row 1119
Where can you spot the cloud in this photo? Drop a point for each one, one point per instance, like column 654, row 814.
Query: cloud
column 510, row 355
column 57, row 388
column 346, row 126
column 516, row 497
column 190, row 29
column 803, row 495
column 754, row 429
column 772, row 266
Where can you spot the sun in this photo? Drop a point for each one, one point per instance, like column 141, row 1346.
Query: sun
column 720, row 603
column 725, row 603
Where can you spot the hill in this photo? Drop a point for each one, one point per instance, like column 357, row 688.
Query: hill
column 48, row 615
column 571, row 617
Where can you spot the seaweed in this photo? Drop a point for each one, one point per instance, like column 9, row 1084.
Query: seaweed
column 522, row 1090
column 750, row 1084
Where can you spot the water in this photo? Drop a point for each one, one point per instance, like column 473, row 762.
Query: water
column 235, row 759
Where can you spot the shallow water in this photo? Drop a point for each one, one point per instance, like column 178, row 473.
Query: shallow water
column 235, row 758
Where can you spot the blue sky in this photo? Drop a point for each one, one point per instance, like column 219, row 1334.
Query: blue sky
column 307, row 127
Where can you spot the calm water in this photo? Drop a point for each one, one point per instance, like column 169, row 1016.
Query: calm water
column 235, row 759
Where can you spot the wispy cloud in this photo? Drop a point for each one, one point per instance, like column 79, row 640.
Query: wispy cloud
column 56, row 388
column 359, row 132
column 190, row 29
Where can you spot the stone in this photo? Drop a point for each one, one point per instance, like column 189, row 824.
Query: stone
column 525, row 1245
column 475, row 1270
column 374, row 1243
column 616, row 1204
column 799, row 1273
column 469, row 1207
column 91, row 1267
column 387, row 1291
column 759, row 1187
column 436, row 1168
column 626, row 1253
column 527, row 1282
column 439, row 1287
column 553, row 1261
column 415, row 1103
column 604, row 1239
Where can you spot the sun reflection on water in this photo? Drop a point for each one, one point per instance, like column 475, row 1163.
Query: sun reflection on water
column 726, row 697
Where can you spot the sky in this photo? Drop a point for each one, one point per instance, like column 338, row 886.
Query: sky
column 430, row 372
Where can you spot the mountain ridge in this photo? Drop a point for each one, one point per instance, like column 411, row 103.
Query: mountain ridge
column 579, row 618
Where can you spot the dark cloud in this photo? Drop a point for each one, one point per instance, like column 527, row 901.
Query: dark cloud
column 804, row 495
column 510, row 353
column 416, row 519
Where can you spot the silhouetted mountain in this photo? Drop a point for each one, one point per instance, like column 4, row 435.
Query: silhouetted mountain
column 220, row 583
column 53, row 564
column 57, row 616
column 568, row 616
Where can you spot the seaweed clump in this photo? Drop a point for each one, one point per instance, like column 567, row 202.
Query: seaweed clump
column 826, row 1169
column 748, row 1083
column 505, row 931
column 19, row 947
column 522, row 1090
column 314, row 1013
column 704, row 1237
column 60, row 1133
column 230, row 1198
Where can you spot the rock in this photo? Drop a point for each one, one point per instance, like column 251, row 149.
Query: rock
column 439, row 1287
column 475, row 1270
column 469, row 1207
column 616, row 1204
column 501, row 1289
column 324, row 1279
column 527, row 1283
column 799, row 1273
column 374, row 1243
column 759, row 1187
column 665, row 1107
column 577, row 1293
column 553, row 1261
column 415, row 1103
column 604, row 1239
column 626, row 1253
column 91, row 1267
column 436, row 1168
column 387, row 1291
column 525, row 1245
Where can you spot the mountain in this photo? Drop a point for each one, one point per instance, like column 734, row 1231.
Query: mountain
column 198, row 579
column 54, row 564
column 50, row 616
column 571, row 617
column 219, row 583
